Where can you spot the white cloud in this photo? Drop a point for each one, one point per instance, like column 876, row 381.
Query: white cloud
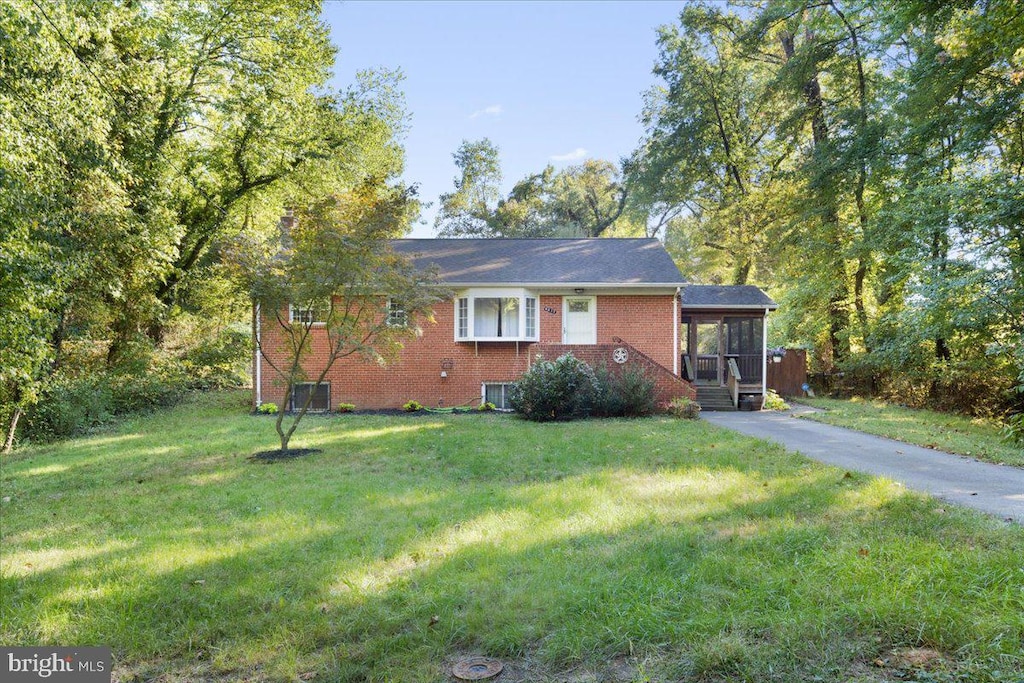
column 574, row 155
column 493, row 110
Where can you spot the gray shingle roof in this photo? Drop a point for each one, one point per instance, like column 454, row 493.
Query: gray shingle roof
column 726, row 296
column 604, row 261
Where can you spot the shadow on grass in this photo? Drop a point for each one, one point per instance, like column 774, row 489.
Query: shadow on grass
column 397, row 548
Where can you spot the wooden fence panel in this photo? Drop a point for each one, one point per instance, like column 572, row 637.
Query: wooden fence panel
column 789, row 376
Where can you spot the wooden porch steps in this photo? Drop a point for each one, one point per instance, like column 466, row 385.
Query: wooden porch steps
column 714, row 398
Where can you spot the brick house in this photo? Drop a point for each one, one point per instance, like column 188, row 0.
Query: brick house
column 611, row 301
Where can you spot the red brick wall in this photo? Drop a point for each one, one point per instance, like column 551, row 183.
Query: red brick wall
column 645, row 322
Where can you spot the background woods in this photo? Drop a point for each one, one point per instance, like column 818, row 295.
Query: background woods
column 864, row 162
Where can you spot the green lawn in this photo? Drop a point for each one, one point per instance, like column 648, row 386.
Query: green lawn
column 976, row 437
column 622, row 550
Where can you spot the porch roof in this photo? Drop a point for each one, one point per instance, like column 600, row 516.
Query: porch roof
column 714, row 297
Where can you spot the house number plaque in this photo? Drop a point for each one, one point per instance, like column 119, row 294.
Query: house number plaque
column 549, row 309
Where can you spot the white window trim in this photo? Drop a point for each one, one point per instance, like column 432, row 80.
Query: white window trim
column 316, row 323
column 483, row 393
column 401, row 310
column 471, row 295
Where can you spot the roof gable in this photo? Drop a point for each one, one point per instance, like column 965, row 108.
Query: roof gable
column 604, row 261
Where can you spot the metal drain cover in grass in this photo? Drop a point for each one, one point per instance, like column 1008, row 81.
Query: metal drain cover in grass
column 476, row 668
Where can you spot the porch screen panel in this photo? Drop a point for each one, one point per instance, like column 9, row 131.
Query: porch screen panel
column 744, row 342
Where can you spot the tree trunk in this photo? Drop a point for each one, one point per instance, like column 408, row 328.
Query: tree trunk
column 9, row 441
column 837, row 309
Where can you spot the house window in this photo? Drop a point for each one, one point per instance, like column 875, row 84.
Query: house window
column 314, row 313
column 496, row 317
column 397, row 316
column 321, row 402
column 498, row 395
column 463, row 319
column 531, row 318
column 507, row 315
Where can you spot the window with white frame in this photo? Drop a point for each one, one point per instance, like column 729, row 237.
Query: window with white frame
column 496, row 315
column 311, row 313
column 497, row 393
column 397, row 317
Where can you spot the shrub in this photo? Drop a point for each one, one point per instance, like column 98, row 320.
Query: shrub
column 486, row 406
column 684, row 407
column 412, row 406
column 71, row 405
column 560, row 390
column 772, row 401
column 219, row 362
column 267, row 409
column 608, row 401
column 636, row 391
column 346, row 407
column 628, row 393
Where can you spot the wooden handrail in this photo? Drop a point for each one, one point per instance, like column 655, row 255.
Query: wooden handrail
column 734, row 382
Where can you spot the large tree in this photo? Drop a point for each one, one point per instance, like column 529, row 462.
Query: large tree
column 585, row 200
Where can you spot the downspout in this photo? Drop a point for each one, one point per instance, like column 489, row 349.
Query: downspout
column 764, row 356
column 675, row 332
column 259, row 363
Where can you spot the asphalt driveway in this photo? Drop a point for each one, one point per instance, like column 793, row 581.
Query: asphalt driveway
column 995, row 489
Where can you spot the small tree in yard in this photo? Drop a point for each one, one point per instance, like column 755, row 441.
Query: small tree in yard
column 335, row 270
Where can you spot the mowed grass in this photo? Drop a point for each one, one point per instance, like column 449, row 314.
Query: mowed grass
column 652, row 549
column 975, row 437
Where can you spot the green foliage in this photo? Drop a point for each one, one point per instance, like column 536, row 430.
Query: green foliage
column 580, row 201
column 772, row 401
column 74, row 405
column 629, row 392
column 345, row 407
column 412, row 406
column 557, row 390
column 486, row 407
column 267, row 408
column 335, row 258
column 220, row 361
column 683, row 407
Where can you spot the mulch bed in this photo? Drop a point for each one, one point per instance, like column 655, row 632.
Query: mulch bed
column 276, row 454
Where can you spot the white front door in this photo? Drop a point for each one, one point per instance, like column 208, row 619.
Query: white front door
column 579, row 320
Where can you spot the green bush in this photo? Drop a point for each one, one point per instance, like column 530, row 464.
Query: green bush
column 220, row 362
column 683, row 407
column 412, row 406
column 636, row 391
column 555, row 390
column 488, row 406
column 67, row 407
column 73, row 405
column 267, row 408
column 346, row 407
column 628, row 393
column 608, row 401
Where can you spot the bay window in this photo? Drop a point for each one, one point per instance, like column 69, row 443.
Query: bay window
column 496, row 315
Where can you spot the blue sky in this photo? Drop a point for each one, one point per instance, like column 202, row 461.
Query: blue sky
column 548, row 82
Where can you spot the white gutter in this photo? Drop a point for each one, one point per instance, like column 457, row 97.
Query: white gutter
column 259, row 363
column 675, row 332
column 764, row 354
